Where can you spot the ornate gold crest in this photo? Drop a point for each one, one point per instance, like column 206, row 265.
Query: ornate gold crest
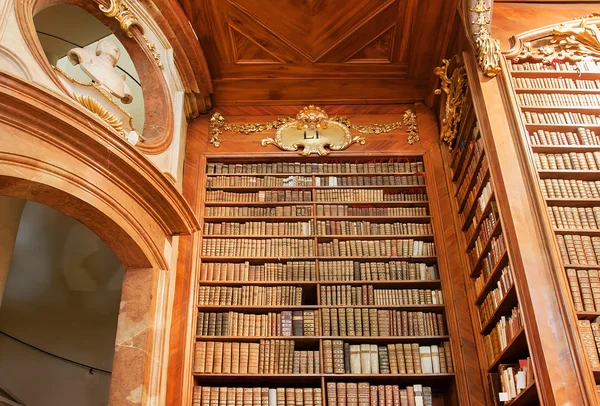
column 313, row 131
column 567, row 43
column 456, row 89
column 488, row 48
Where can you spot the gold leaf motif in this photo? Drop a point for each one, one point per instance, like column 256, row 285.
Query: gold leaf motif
column 96, row 108
column 487, row 47
column 567, row 43
column 333, row 133
column 456, row 90
column 123, row 15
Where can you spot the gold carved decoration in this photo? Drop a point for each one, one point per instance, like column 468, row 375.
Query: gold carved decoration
column 152, row 48
column 456, row 89
column 123, row 15
column 566, row 44
column 487, row 47
column 313, row 130
column 93, row 106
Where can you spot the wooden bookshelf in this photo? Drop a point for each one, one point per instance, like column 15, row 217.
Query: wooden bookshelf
column 395, row 263
column 486, row 264
column 553, row 149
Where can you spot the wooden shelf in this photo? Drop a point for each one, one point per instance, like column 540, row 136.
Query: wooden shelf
column 587, row 315
column 568, row 174
column 215, row 219
column 427, row 260
column 483, row 214
column 527, row 397
column 572, row 202
column 559, row 149
column 413, row 284
column 561, row 127
column 314, row 378
column 378, row 202
column 260, row 188
column 564, row 231
column 562, row 109
column 471, row 210
column 424, row 237
column 254, row 260
column 425, row 340
column 424, row 307
column 387, row 219
column 431, row 307
column 516, row 348
column 314, row 174
column 493, row 278
column 596, row 372
column 213, row 203
column 252, row 236
column 582, row 266
column 464, row 173
column 506, row 304
column 560, row 90
column 459, row 174
column 554, row 74
column 486, row 248
column 473, row 175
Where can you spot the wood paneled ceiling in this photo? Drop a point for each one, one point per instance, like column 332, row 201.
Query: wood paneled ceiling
column 321, row 51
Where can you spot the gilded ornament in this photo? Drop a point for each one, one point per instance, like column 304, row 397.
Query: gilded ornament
column 455, row 88
column 152, row 48
column 488, row 48
column 313, row 130
column 99, row 110
column 567, row 43
column 123, row 15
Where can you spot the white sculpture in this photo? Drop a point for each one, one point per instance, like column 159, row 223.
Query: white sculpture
column 100, row 67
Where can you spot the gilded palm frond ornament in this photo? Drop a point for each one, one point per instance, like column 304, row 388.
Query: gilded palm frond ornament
column 487, row 47
column 455, row 88
column 313, row 131
column 567, row 43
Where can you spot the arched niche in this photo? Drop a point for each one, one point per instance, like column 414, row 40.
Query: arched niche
column 158, row 106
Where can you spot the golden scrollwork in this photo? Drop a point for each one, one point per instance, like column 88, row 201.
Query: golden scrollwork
column 123, row 15
column 566, row 44
column 218, row 125
column 152, row 48
column 456, row 90
column 487, row 47
column 410, row 121
column 99, row 110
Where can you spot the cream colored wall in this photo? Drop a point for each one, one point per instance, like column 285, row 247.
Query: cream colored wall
column 62, row 296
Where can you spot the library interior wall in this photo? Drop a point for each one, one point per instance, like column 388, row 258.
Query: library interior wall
column 62, row 296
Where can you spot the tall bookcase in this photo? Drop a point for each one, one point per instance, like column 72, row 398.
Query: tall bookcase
column 558, row 104
column 503, row 348
column 332, row 260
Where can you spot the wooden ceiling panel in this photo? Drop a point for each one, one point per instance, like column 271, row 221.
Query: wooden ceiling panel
column 323, row 46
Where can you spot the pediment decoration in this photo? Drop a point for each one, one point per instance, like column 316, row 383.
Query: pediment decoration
column 566, row 43
column 313, row 131
column 455, row 87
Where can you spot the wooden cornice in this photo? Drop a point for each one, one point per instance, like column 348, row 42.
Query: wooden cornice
column 62, row 123
column 189, row 56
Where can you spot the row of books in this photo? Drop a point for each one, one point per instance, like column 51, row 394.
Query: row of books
column 555, row 83
column 345, row 210
column 271, row 271
column 256, row 396
column 558, row 100
column 332, row 227
column 244, row 211
column 481, row 198
column 376, row 248
column 482, row 201
column 574, row 218
column 376, row 271
column 583, row 136
column 365, row 394
column 485, row 229
column 570, row 188
column 285, row 323
column 266, row 357
column 585, row 289
column 571, row 161
column 251, row 295
column 256, row 181
column 268, row 247
column 380, row 323
column 502, row 334
column 496, row 248
column 493, row 299
column 367, row 195
column 473, row 227
column 468, row 192
column 347, row 295
column 467, row 174
column 578, row 66
column 590, row 338
column 505, row 280
column 260, row 228
column 579, row 249
column 378, row 180
column 260, row 196
column 514, row 379
column 407, row 358
column 400, row 164
column 566, row 117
